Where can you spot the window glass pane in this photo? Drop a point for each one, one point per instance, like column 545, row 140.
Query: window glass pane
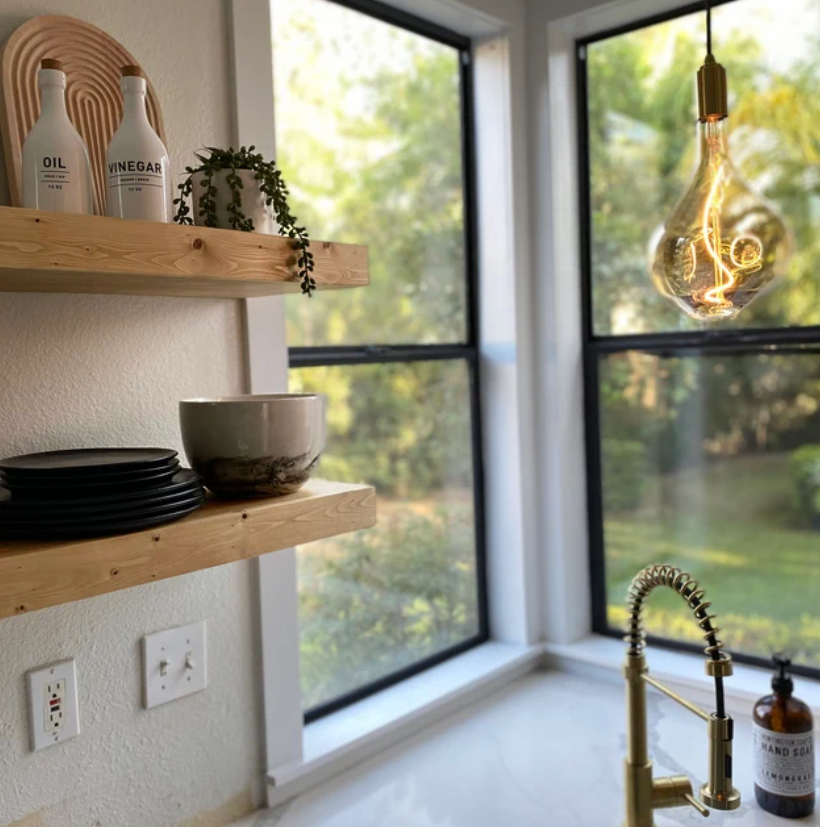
column 378, row 600
column 368, row 130
column 642, row 149
column 713, row 464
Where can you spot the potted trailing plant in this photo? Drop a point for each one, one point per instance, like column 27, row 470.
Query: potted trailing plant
column 237, row 189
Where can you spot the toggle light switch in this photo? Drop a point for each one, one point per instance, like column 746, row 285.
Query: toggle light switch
column 173, row 664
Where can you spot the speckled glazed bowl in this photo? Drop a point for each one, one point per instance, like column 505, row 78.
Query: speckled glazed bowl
column 246, row 446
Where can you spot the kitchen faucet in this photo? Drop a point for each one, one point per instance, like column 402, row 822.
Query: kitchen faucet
column 643, row 792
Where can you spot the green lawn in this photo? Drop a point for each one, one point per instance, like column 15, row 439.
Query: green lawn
column 734, row 526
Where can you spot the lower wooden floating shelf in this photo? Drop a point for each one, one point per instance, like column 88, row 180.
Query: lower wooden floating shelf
column 37, row 575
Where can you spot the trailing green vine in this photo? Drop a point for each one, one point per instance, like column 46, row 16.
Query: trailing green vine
column 272, row 186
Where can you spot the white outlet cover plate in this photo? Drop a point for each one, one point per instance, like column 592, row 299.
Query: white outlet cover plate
column 185, row 670
column 38, row 681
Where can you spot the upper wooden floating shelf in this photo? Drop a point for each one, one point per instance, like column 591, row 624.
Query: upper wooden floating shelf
column 47, row 252
column 36, row 575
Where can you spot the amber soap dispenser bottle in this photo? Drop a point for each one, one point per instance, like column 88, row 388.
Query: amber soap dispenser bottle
column 783, row 733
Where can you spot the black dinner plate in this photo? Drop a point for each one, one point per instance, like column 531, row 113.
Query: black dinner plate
column 71, row 488
column 26, row 518
column 26, row 479
column 183, row 481
column 89, row 460
column 101, row 529
column 102, row 472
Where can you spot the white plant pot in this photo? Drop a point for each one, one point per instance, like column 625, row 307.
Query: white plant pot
column 253, row 202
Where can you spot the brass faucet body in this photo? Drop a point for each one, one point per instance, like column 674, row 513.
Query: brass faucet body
column 644, row 794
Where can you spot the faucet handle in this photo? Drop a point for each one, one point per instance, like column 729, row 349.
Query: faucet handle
column 675, row 791
column 704, row 811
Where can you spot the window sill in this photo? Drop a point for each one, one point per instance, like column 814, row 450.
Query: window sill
column 603, row 657
column 347, row 737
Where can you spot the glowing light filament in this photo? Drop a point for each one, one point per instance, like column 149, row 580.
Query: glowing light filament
column 718, row 250
column 729, row 258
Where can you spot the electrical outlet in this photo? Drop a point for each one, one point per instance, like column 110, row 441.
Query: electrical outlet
column 53, row 704
column 173, row 664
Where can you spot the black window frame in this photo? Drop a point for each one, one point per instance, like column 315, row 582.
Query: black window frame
column 467, row 352
column 698, row 343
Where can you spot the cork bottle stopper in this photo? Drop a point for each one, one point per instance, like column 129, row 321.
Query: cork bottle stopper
column 49, row 63
column 132, row 71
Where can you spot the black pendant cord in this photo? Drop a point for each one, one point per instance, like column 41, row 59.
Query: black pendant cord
column 708, row 27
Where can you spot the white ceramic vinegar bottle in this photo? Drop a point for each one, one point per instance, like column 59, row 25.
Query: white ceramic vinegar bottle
column 137, row 164
column 56, row 170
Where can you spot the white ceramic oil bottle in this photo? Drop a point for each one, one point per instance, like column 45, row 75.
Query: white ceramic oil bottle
column 56, row 170
column 137, row 164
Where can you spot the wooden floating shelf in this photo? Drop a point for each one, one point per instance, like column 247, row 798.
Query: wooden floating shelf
column 47, row 252
column 36, row 575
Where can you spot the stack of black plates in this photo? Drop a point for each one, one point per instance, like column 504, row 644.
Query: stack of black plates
column 94, row 492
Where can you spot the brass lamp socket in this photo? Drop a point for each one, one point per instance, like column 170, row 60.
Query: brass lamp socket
column 712, row 96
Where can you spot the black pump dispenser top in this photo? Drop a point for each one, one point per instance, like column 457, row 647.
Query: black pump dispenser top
column 781, row 683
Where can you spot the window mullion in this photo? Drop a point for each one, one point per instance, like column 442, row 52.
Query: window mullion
column 377, row 354
column 725, row 341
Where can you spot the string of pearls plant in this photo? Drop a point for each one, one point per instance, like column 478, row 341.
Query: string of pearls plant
column 272, row 186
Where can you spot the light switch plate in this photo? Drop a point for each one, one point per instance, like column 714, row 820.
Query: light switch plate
column 54, row 714
column 173, row 664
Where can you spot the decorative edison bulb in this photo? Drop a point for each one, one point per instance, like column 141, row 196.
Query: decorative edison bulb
column 723, row 244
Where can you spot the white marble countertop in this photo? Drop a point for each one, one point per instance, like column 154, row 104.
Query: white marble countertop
column 545, row 752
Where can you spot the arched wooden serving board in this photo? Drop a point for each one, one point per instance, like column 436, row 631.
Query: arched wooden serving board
column 92, row 60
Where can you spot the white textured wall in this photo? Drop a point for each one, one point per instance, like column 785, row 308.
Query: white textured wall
column 98, row 370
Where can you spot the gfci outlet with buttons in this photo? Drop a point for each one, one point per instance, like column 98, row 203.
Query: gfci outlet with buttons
column 173, row 664
column 53, row 704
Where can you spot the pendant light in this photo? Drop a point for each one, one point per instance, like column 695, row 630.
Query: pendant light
column 723, row 244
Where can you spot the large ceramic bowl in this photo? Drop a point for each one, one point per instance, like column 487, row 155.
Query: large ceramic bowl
column 245, row 446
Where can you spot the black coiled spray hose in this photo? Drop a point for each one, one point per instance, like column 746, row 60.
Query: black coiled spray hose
column 687, row 587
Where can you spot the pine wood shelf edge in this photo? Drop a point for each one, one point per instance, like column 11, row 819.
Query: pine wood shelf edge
column 47, row 252
column 34, row 576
